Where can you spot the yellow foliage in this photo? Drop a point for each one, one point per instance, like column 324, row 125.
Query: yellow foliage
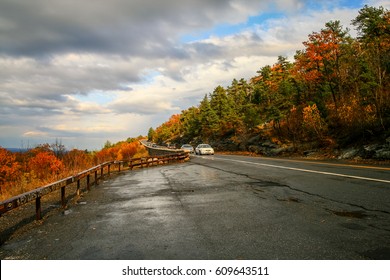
column 313, row 124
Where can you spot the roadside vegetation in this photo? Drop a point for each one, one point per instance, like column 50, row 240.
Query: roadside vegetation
column 24, row 171
column 335, row 93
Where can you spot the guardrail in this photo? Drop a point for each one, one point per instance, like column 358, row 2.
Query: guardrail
column 159, row 150
column 38, row 193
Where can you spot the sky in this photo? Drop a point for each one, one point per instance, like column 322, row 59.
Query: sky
column 84, row 72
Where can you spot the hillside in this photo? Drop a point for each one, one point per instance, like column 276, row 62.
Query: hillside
column 334, row 98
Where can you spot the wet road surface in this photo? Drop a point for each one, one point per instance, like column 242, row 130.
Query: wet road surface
column 222, row 207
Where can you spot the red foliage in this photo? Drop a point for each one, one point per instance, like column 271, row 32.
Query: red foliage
column 9, row 167
column 127, row 150
column 45, row 163
column 107, row 154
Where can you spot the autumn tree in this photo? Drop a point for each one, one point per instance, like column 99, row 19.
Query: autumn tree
column 58, row 148
column 45, row 164
column 9, row 168
column 77, row 160
column 169, row 130
column 321, row 63
column 313, row 124
column 127, row 150
column 107, row 154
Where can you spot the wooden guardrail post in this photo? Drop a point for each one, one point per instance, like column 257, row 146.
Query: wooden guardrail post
column 96, row 178
column 63, row 202
column 78, row 188
column 38, row 208
column 88, row 182
column 131, row 164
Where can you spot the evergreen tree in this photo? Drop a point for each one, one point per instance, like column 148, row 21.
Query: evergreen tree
column 209, row 120
column 151, row 134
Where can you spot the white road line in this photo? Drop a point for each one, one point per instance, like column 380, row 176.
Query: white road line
column 309, row 171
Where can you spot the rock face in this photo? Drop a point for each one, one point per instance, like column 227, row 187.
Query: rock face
column 349, row 153
column 263, row 146
column 372, row 151
column 256, row 144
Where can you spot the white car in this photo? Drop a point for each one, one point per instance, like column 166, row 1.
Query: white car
column 204, row 149
column 187, row 148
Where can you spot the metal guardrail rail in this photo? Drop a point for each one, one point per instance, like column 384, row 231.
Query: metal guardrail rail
column 37, row 194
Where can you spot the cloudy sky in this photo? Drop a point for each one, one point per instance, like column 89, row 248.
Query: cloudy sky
column 85, row 72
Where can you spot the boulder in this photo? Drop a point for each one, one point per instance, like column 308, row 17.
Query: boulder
column 349, row 153
column 382, row 154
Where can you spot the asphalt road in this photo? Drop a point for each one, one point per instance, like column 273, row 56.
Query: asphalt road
column 222, row 207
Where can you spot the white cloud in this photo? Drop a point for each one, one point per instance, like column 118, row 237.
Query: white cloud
column 377, row 3
column 35, row 134
column 142, row 103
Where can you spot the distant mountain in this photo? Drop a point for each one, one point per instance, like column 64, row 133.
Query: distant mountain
column 17, row 150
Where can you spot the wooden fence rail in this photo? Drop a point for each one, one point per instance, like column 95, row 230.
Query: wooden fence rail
column 37, row 194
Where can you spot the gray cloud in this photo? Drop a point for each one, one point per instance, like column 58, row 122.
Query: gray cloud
column 39, row 37
column 147, row 27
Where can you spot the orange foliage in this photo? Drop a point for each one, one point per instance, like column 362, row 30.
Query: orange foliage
column 120, row 151
column 351, row 113
column 45, row 163
column 323, row 46
column 304, row 69
column 77, row 160
column 170, row 129
column 127, row 151
column 9, row 168
column 320, row 58
column 107, row 154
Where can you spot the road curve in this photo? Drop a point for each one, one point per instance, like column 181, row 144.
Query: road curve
column 222, row 207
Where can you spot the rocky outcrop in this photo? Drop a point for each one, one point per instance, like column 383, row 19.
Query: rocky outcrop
column 256, row 144
column 372, row 151
column 262, row 145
